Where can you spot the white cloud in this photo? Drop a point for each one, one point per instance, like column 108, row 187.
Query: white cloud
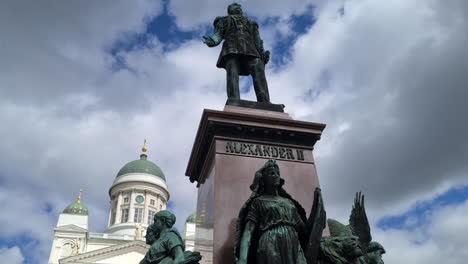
column 50, row 49
column 11, row 255
column 25, row 216
column 386, row 66
column 192, row 15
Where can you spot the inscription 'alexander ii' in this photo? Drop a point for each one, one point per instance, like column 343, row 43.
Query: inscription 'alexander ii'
column 264, row 151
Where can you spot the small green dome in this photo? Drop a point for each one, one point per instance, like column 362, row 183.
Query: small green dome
column 142, row 166
column 192, row 218
column 77, row 208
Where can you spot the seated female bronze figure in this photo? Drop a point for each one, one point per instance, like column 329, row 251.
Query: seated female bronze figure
column 167, row 246
column 272, row 227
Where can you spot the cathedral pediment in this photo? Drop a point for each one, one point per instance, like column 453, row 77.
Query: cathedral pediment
column 119, row 254
column 72, row 228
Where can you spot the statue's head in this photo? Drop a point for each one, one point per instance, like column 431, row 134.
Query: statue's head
column 375, row 252
column 341, row 246
column 234, row 9
column 150, row 236
column 351, row 247
column 340, row 249
column 164, row 219
column 269, row 174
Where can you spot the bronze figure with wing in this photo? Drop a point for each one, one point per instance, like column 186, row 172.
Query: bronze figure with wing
column 351, row 244
column 272, row 227
column 359, row 224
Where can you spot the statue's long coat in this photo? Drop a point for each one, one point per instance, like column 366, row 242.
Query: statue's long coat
column 241, row 37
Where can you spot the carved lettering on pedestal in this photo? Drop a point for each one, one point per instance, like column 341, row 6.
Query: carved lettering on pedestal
column 266, row 151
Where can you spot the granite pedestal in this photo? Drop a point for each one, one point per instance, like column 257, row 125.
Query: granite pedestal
column 230, row 146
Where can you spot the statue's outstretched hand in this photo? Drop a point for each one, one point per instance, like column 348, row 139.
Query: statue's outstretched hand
column 266, row 57
column 209, row 41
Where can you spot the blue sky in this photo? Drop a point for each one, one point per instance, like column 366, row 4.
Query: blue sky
column 81, row 85
column 420, row 212
column 163, row 27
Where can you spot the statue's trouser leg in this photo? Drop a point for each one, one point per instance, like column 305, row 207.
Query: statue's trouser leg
column 232, row 74
column 257, row 70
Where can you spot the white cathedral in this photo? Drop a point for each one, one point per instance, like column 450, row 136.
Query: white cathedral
column 137, row 193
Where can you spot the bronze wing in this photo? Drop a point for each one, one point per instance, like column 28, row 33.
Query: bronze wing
column 315, row 225
column 358, row 221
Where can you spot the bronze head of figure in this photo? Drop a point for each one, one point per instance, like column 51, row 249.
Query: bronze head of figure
column 374, row 253
column 150, row 236
column 340, row 250
column 267, row 176
column 163, row 219
column 234, row 9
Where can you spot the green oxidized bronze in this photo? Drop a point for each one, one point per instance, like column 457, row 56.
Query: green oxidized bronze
column 242, row 52
column 272, row 227
column 167, row 246
column 352, row 243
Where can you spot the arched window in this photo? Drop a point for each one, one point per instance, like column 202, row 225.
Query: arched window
column 66, row 250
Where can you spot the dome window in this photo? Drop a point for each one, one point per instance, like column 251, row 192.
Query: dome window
column 138, row 215
column 124, row 218
column 151, row 214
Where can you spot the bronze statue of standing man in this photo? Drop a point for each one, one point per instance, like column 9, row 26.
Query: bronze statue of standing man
column 242, row 52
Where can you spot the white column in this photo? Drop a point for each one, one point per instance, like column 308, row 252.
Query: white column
column 118, row 212
column 131, row 213
column 162, row 201
column 158, row 203
column 110, row 212
column 145, row 210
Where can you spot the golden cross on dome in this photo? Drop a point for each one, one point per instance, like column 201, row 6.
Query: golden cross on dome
column 145, row 147
column 78, row 200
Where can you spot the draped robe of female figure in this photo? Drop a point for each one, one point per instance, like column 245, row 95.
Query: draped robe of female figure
column 280, row 235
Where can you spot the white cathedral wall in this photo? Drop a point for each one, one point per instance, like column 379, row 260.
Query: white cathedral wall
column 103, row 240
column 92, row 247
column 129, row 258
column 189, row 236
column 72, row 219
column 64, row 244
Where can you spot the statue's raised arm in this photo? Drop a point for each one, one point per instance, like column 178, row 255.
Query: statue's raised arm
column 217, row 37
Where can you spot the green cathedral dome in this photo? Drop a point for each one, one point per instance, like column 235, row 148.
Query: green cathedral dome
column 142, row 166
column 77, row 208
column 192, row 218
